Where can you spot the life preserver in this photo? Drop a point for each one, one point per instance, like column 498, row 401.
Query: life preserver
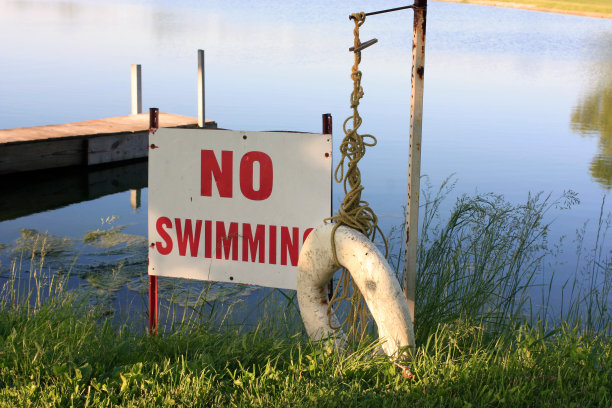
column 370, row 272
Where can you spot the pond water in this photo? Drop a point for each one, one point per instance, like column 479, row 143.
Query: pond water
column 515, row 101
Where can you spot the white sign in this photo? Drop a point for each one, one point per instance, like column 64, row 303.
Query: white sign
column 235, row 206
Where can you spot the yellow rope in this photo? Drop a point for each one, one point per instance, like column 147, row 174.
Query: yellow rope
column 353, row 212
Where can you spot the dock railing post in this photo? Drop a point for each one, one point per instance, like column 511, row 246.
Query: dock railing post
column 414, row 155
column 201, row 117
column 136, row 89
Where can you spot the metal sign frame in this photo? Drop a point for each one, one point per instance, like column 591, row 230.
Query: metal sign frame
column 234, row 206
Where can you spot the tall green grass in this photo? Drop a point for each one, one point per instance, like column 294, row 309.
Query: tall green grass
column 482, row 338
column 483, row 264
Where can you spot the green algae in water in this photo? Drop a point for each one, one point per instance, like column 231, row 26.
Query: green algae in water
column 108, row 260
column 36, row 243
column 109, row 282
column 113, row 237
column 112, row 259
column 111, row 251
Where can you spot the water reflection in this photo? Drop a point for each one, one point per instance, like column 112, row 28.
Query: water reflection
column 593, row 116
column 34, row 192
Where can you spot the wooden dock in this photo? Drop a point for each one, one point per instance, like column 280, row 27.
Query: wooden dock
column 84, row 143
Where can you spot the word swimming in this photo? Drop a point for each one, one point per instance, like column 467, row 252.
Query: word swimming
column 232, row 241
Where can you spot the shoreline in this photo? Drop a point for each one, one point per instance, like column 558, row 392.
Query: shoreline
column 532, row 7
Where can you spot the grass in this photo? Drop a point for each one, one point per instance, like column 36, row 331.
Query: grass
column 482, row 339
column 59, row 357
column 598, row 8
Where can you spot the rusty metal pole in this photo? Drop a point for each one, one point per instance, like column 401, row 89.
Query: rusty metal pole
column 153, row 305
column 327, row 130
column 414, row 157
column 153, row 300
column 153, row 120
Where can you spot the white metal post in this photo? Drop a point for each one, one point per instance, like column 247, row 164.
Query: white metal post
column 201, row 116
column 414, row 158
column 136, row 89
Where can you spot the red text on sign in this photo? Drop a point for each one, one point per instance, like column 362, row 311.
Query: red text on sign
column 233, row 241
column 224, row 179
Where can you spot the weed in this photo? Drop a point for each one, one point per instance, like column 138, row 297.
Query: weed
column 480, row 341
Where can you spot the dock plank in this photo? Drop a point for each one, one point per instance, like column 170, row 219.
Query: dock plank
column 117, row 147
column 44, row 154
column 85, row 143
column 118, row 124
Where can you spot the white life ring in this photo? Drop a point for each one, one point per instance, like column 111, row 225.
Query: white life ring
column 370, row 272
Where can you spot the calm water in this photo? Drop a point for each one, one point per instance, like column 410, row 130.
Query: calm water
column 515, row 101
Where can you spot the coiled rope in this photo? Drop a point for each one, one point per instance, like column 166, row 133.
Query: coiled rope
column 353, row 211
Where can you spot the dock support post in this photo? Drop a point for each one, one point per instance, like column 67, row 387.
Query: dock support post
column 136, row 89
column 414, row 158
column 201, row 117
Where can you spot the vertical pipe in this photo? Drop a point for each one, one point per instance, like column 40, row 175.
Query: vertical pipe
column 327, row 123
column 327, row 130
column 153, row 119
column 414, row 158
column 153, row 305
column 153, row 302
column 136, row 89
column 201, row 116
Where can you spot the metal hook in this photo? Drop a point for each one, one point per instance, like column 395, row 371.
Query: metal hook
column 417, row 3
column 364, row 45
